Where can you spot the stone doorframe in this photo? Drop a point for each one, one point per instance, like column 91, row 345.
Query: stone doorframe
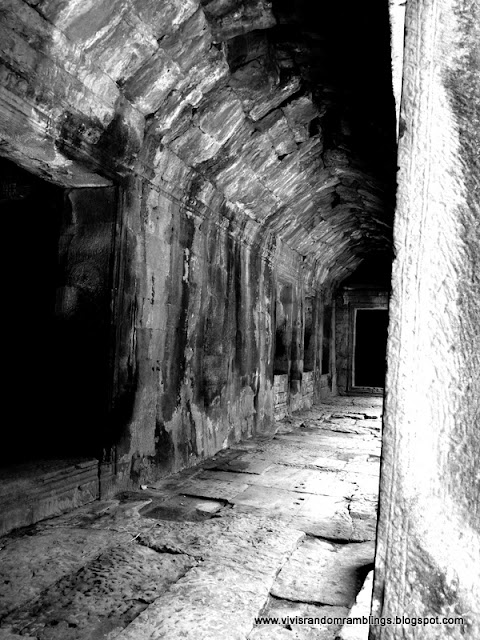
column 354, row 308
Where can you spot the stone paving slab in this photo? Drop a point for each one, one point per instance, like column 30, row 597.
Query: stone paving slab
column 220, row 597
column 247, row 463
column 309, row 629
column 331, row 437
column 211, row 603
column 30, row 564
column 323, row 516
column 320, row 572
column 214, row 487
column 367, row 483
column 285, row 450
column 329, row 440
column 246, row 539
column 121, row 515
column 266, row 458
column 105, row 595
column 293, row 479
column 368, row 465
column 223, row 537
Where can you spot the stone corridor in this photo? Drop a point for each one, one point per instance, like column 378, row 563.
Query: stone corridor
column 220, row 213
column 278, row 525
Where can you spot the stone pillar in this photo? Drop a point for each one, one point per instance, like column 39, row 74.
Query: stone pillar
column 283, row 335
column 428, row 551
column 296, row 352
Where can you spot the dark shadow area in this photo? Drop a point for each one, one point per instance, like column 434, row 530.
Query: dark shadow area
column 327, row 337
column 342, row 51
column 31, row 218
column 374, row 271
column 56, row 346
column 371, row 327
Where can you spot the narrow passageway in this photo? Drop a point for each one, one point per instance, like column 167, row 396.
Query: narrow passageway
column 278, row 526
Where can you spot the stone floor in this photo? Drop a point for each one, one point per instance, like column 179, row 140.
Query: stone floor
column 279, row 526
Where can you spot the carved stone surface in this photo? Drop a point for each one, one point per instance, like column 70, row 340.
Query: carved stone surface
column 429, row 528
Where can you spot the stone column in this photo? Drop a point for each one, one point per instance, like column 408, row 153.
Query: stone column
column 428, row 552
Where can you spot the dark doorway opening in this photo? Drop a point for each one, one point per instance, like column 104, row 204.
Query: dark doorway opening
column 31, row 214
column 57, row 318
column 327, row 334
column 371, row 327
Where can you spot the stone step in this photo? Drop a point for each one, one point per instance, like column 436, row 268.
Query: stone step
column 33, row 492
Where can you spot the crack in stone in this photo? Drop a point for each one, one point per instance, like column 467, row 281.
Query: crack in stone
column 313, row 467
column 339, row 541
column 280, row 567
column 316, row 603
column 169, row 549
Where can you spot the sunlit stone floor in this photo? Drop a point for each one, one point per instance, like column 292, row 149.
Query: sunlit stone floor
column 280, row 525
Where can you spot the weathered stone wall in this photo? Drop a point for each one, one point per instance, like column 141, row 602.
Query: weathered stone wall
column 202, row 337
column 80, row 354
column 428, row 550
column 235, row 203
column 196, row 340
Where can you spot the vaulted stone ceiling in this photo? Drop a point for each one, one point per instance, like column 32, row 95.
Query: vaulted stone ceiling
column 285, row 109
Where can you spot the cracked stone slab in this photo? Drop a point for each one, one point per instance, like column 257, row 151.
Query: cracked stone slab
column 333, row 439
column 204, row 486
column 325, row 573
column 368, row 484
column 251, row 540
column 249, row 464
column 211, row 602
column 294, row 479
column 355, row 427
column 270, row 453
column 354, row 416
column 322, row 622
column 220, row 597
column 103, row 597
column 330, row 463
column 324, row 516
column 301, row 451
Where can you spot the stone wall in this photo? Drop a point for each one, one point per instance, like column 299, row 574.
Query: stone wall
column 199, row 302
column 195, row 362
column 234, row 212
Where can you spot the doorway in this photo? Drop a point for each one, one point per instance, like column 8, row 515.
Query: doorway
column 31, row 215
column 57, row 318
column 370, row 345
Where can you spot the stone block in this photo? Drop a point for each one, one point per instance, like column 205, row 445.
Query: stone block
column 324, row 573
